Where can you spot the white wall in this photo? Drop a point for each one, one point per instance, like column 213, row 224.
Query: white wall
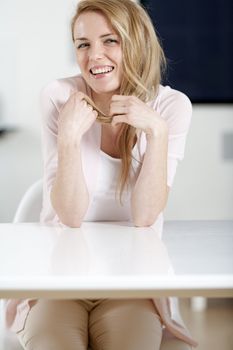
column 203, row 187
column 36, row 47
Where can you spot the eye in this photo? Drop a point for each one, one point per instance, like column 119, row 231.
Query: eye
column 81, row 46
column 111, row 41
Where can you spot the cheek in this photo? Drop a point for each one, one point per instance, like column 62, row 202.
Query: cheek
column 80, row 60
column 114, row 53
column 118, row 57
column 119, row 62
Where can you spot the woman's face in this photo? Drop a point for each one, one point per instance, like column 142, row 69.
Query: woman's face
column 99, row 53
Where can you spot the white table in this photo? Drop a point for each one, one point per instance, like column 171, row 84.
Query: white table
column 115, row 260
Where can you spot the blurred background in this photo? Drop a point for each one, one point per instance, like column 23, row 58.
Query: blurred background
column 36, row 47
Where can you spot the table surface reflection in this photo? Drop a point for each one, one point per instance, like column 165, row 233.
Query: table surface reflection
column 107, row 259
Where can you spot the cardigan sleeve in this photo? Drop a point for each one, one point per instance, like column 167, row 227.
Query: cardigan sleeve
column 176, row 109
column 52, row 98
column 49, row 126
column 50, row 114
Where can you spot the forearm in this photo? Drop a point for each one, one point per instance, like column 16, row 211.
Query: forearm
column 149, row 195
column 69, row 195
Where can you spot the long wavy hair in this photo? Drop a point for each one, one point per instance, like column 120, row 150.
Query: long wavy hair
column 143, row 63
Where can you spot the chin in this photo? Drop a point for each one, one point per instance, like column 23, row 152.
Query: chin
column 105, row 89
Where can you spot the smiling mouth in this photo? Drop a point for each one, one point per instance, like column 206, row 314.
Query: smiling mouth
column 98, row 71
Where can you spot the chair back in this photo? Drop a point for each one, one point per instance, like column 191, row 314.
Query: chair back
column 30, row 205
column 28, row 210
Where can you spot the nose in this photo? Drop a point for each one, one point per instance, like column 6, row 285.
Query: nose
column 96, row 51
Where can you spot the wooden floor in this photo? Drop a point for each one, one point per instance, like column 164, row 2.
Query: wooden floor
column 212, row 328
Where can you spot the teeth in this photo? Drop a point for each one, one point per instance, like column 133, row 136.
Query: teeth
column 101, row 70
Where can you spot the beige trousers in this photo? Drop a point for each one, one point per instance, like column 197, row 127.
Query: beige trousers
column 104, row 324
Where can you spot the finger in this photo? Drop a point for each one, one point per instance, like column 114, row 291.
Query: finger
column 119, row 119
column 80, row 95
column 89, row 107
column 116, row 110
column 92, row 110
column 124, row 98
column 95, row 113
column 117, row 104
column 83, row 103
column 119, row 98
column 72, row 96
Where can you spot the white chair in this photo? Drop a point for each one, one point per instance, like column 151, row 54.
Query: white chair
column 30, row 205
column 28, row 211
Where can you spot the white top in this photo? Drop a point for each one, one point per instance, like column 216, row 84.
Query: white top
column 105, row 205
column 172, row 105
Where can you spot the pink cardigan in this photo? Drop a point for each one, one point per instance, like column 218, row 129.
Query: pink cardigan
column 173, row 106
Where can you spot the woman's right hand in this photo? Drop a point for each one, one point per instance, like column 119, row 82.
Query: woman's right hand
column 75, row 118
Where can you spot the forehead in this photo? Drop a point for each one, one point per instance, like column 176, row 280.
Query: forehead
column 92, row 22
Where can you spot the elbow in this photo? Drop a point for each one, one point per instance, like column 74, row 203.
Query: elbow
column 71, row 222
column 67, row 217
column 145, row 221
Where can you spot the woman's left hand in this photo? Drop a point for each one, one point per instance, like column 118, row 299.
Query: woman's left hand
column 131, row 110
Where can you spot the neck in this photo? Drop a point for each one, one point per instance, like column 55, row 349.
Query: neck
column 102, row 101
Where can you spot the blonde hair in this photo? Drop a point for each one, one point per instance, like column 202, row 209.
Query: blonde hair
column 143, row 62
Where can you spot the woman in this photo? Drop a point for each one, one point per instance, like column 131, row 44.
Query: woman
column 112, row 137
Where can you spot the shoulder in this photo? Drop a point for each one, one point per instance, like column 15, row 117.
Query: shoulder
column 168, row 98
column 173, row 106
column 58, row 91
column 75, row 82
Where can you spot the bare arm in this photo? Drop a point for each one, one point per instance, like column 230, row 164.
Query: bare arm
column 149, row 195
column 150, row 192
column 69, row 194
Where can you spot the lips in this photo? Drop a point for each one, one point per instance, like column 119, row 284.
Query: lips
column 101, row 70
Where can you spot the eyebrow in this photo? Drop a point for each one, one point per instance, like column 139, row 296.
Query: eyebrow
column 101, row 36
